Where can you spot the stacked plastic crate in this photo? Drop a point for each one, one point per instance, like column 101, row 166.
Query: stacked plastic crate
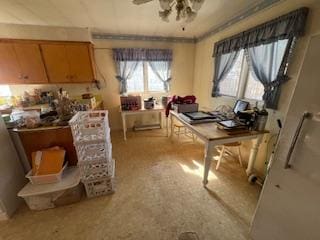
column 91, row 137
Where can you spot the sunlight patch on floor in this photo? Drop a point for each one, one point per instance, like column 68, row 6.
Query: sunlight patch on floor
column 197, row 170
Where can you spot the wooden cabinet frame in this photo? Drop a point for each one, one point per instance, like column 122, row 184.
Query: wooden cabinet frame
column 90, row 62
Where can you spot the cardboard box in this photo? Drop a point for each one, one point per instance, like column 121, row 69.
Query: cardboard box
column 130, row 102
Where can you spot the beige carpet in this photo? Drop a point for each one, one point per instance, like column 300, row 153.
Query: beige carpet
column 159, row 195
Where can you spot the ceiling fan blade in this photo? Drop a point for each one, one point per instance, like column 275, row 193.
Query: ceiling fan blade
column 138, row 2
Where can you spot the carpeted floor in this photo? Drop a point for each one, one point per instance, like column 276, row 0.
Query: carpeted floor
column 159, row 196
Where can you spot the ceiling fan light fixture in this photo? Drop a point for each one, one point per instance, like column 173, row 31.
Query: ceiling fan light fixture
column 191, row 16
column 164, row 15
column 139, row 2
column 165, row 4
column 186, row 9
column 196, row 4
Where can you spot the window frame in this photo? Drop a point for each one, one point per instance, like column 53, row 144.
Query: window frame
column 243, row 81
column 146, row 82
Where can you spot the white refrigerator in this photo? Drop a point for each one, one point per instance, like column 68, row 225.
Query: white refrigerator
column 11, row 174
column 289, row 205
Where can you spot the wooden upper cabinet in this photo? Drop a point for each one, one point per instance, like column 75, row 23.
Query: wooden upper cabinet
column 10, row 71
column 56, row 62
column 80, row 63
column 31, row 63
column 68, row 63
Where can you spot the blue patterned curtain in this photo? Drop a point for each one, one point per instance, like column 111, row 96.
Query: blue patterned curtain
column 223, row 64
column 268, row 64
column 268, row 48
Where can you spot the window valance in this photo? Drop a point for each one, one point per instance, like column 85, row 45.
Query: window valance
column 284, row 27
column 142, row 54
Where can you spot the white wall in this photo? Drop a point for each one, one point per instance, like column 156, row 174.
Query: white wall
column 17, row 31
column 204, row 68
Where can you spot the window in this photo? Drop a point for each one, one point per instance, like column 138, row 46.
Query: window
column 5, row 91
column 240, row 83
column 229, row 86
column 136, row 83
column 144, row 80
column 254, row 89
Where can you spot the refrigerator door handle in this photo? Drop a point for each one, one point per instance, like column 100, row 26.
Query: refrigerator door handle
column 305, row 116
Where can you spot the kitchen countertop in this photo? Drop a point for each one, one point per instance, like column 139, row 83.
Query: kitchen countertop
column 38, row 128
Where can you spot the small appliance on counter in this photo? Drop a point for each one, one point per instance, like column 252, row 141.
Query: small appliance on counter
column 149, row 103
column 260, row 120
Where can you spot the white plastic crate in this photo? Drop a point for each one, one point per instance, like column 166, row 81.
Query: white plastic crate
column 90, row 126
column 94, row 171
column 100, row 186
column 45, row 179
column 94, row 152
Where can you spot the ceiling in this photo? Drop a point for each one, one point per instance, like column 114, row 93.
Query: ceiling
column 120, row 16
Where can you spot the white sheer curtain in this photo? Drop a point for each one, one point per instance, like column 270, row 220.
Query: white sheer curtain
column 162, row 69
column 125, row 69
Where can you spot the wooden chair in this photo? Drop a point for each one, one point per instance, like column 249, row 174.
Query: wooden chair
column 223, row 150
column 181, row 129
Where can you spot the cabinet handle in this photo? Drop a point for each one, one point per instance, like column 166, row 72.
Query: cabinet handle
column 305, row 116
column 26, row 77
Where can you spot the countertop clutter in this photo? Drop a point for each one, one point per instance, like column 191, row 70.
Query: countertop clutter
column 46, row 109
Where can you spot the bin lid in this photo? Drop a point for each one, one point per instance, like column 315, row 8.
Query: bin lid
column 70, row 179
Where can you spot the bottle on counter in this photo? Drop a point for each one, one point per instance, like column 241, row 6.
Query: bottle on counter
column 261, row 119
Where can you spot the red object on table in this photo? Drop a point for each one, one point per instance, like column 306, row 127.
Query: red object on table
column 180, row 100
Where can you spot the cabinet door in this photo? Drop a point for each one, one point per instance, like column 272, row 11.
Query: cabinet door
column 10, row 71
column 80, row 63
column 56, row 62
column 31, row 63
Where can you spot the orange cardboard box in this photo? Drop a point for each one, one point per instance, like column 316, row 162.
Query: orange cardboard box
column 48, row 161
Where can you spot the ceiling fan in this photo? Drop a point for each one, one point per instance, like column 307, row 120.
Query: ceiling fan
column 186, row 9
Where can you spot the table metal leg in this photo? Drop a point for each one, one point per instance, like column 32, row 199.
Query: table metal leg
column 167, row 126
column 171, row 126
column 253, row 154
column 160, row 119
column 124, row 126
column 207, row 161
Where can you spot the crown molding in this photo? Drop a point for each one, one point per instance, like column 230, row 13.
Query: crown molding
column 247, row 13
column 106, row 36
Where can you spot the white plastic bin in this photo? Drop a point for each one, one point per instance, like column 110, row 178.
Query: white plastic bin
column 45, row 179
column 45, row 196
